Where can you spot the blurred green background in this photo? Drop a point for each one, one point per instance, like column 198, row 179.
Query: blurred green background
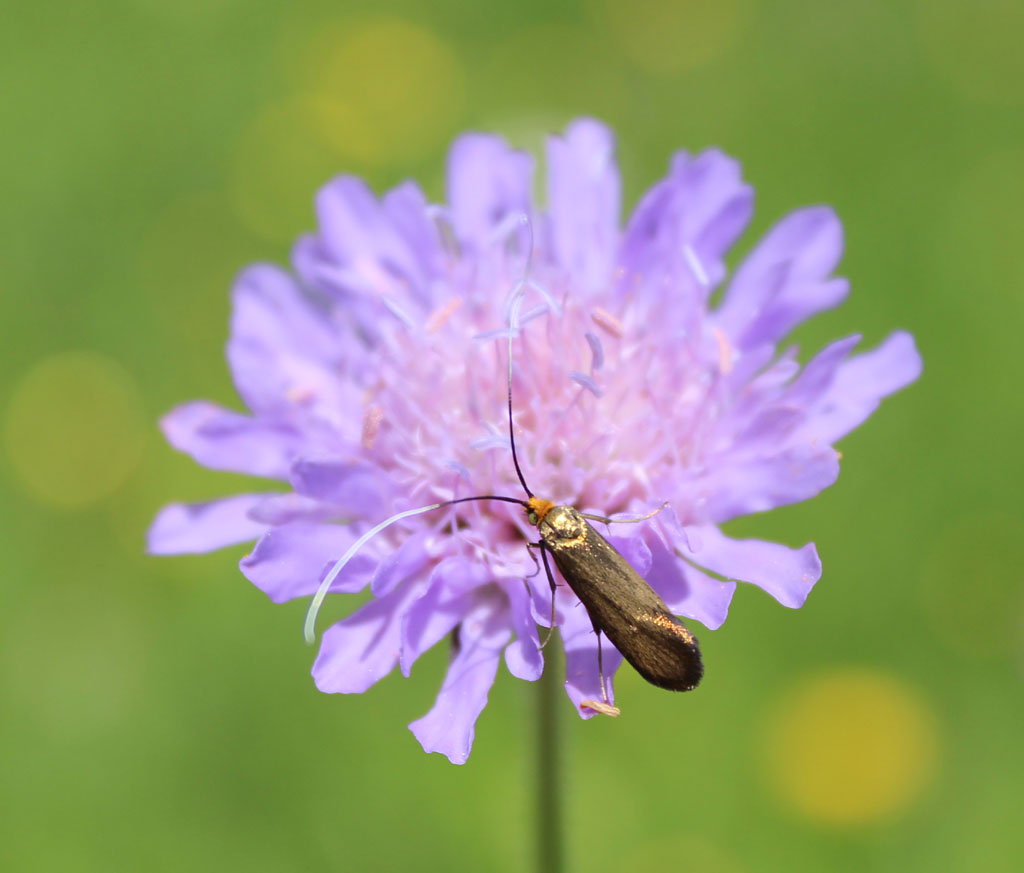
column 157, row 714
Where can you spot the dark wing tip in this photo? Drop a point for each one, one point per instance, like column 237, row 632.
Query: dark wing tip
column 668, row 655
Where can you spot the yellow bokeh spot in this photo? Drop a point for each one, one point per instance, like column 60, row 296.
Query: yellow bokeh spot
column 671, row 36
column 380, row 90
column 851, row 747
column 975, row 46
column 74, row 429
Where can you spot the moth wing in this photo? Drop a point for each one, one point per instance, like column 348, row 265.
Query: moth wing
column 631, row 614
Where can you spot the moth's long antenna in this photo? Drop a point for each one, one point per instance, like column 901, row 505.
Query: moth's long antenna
column 309, row 628
column 513, row 327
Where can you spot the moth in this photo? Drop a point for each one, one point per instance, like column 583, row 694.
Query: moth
column 620, row 604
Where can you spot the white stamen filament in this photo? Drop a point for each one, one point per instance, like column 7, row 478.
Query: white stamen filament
column 695, row 265
column 309, row 628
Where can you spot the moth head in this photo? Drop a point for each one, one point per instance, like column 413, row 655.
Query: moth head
column 537, row 510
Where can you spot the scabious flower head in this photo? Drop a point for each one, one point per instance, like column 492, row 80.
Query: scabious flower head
column 375, row 380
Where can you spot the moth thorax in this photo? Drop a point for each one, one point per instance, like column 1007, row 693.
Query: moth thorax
column 562, row 523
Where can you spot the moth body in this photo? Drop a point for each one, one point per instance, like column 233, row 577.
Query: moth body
column 619, row 602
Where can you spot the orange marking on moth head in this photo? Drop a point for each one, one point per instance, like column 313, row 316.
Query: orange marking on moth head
column 539, row 507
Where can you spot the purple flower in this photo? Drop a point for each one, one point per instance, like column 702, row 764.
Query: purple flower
column 375, row 378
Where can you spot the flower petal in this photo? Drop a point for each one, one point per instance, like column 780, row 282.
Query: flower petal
column 734, row 486
column 702, row 205
column 860, row 384
column 444, row 604
column 584, row 192
column 354, row 489
column 487, row 182
column 286, row 508
column 633, row 548
column 191, row 528
column 224, row 440
column 401, row 564
column 290, row 561
column 819, row 373
column 785, row 279
column 450, row 726
column 357, row 305
column 357, row 233
column 779, row 417
column 409, row 212
column 362, row 649
column 786, row 574
column 686, row 590
column 283, row 351
column 523, row 656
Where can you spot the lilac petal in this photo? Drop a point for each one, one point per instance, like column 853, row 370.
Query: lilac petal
column 487, row 182
column 523, row 656
column 773, row 426
column 685, row 589
column 401, row 564
column 734, row 486
column 357, row 489
column 290, row 561
column 450, row 726
column 819, row 372
column 444, row 604
column 282, row 350
column 409, row 212
column 797, row 303
column 584, row 193
column 785, row 279
column 362, row 649
column 582, row 678
column 192, row 528
column 357, row 232
column 316, row 268
column 633, row 549
column 224, row 440
column 708, row 598
column 286, row 508
column 780, row 421
column 786, row 574
column 703, row 205
column 860, row 384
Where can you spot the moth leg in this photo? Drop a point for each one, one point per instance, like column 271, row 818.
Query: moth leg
column 533, row 557
column 551, row 582
column 606, row 520
column 603, row 707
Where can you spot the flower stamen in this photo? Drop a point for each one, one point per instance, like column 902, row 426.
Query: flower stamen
column 603, row 318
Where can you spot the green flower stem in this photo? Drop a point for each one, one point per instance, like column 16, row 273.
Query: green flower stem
column 549, row 802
